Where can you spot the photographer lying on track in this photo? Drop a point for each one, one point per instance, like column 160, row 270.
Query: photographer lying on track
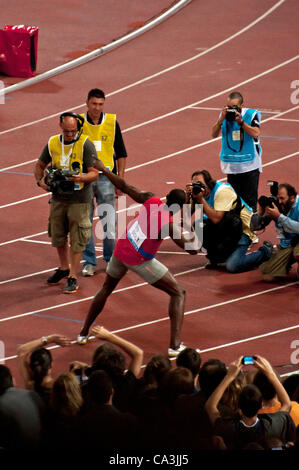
column 226, row 233
column 284, row 210
column 72, row 156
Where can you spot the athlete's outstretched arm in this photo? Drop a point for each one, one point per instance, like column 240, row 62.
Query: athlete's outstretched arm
column 120, row 183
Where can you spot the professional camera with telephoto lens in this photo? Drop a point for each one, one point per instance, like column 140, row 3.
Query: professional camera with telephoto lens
column 269, row 201
column 58, row 180
column 232, row 112
column 198, row 187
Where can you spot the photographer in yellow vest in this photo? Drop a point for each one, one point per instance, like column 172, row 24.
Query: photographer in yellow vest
column 104, row 131
column 65, row 168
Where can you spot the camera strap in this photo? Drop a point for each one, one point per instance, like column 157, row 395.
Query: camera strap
column 241, row 139
column 65, row 159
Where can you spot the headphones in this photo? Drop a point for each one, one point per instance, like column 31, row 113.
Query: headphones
column 80, row 119
column 80, row 122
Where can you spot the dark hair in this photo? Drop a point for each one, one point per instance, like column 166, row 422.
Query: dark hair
column 176, row 196
column 156, row 368
column 95, row 93
column 236, row 95
column 40, row 363
column 291, row 383
column 289, row 188
column 250, row 400
column 190, row 359
column 176, row 382
column 264, row 385
column 99, row 387
column 5, row 379
column 107, row 358
column 210, row 182
column 210, row 375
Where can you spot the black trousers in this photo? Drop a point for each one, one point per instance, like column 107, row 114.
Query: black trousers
column 246, row 186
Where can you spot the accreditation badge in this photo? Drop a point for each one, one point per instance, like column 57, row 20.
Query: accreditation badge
column 236, row 135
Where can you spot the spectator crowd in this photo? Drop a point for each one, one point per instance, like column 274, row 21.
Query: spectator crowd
column 189, row 405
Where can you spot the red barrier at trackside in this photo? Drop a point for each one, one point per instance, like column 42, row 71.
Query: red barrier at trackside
column 18, row 50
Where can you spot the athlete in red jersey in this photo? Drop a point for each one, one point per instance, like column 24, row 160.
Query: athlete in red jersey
column 136, row 249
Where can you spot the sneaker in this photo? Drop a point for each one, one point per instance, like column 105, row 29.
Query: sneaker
column 82, row 339
column 58, row 275
column 176, row 352
column 88, row 270
column 267, row 249
column 71, row 286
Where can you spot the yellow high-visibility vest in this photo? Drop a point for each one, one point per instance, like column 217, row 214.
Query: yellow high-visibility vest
column 102, row 136
column 64, row 155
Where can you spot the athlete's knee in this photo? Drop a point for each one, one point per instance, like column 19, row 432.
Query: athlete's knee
column 179, row 290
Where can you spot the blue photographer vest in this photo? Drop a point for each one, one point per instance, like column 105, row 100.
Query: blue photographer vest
column 284, row 236
column 238, row 151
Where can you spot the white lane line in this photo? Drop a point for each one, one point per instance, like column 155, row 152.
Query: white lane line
column 278, row 160
column 35, row 241
column 287, row 120
column 191, row 312
column 168, row 69
column 216, row 95
column 214, row 348
column 150, row 162
column 189, row 271
column 281, row 159
column 209, row 307
column 184, row 108
column 252, row 338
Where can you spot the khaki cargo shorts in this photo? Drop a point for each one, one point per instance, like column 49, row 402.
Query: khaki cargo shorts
column 151, row 271
column 70, row 219
column 280, row 262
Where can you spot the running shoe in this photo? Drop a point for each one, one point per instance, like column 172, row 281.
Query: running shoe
column 58, row 275
column 71, row 286
column 88, row 270
column 176, row 352
column 82, row 339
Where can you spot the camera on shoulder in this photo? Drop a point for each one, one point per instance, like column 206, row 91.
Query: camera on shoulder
column 232, row 112
column 270, row 201
column 58, row 180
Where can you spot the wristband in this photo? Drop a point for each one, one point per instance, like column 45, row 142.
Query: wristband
column 44, row 340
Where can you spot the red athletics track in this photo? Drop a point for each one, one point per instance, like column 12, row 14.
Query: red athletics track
column 166, row 119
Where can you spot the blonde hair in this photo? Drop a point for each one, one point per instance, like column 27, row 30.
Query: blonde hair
column 66, row 398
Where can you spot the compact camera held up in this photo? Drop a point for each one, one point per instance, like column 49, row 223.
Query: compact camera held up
column 232, row 112
column 58, row 180
column 269, row 201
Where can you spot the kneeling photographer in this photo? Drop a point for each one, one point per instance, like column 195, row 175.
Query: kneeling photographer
column 65, row 167
column 226, row 233
column 282, row 207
